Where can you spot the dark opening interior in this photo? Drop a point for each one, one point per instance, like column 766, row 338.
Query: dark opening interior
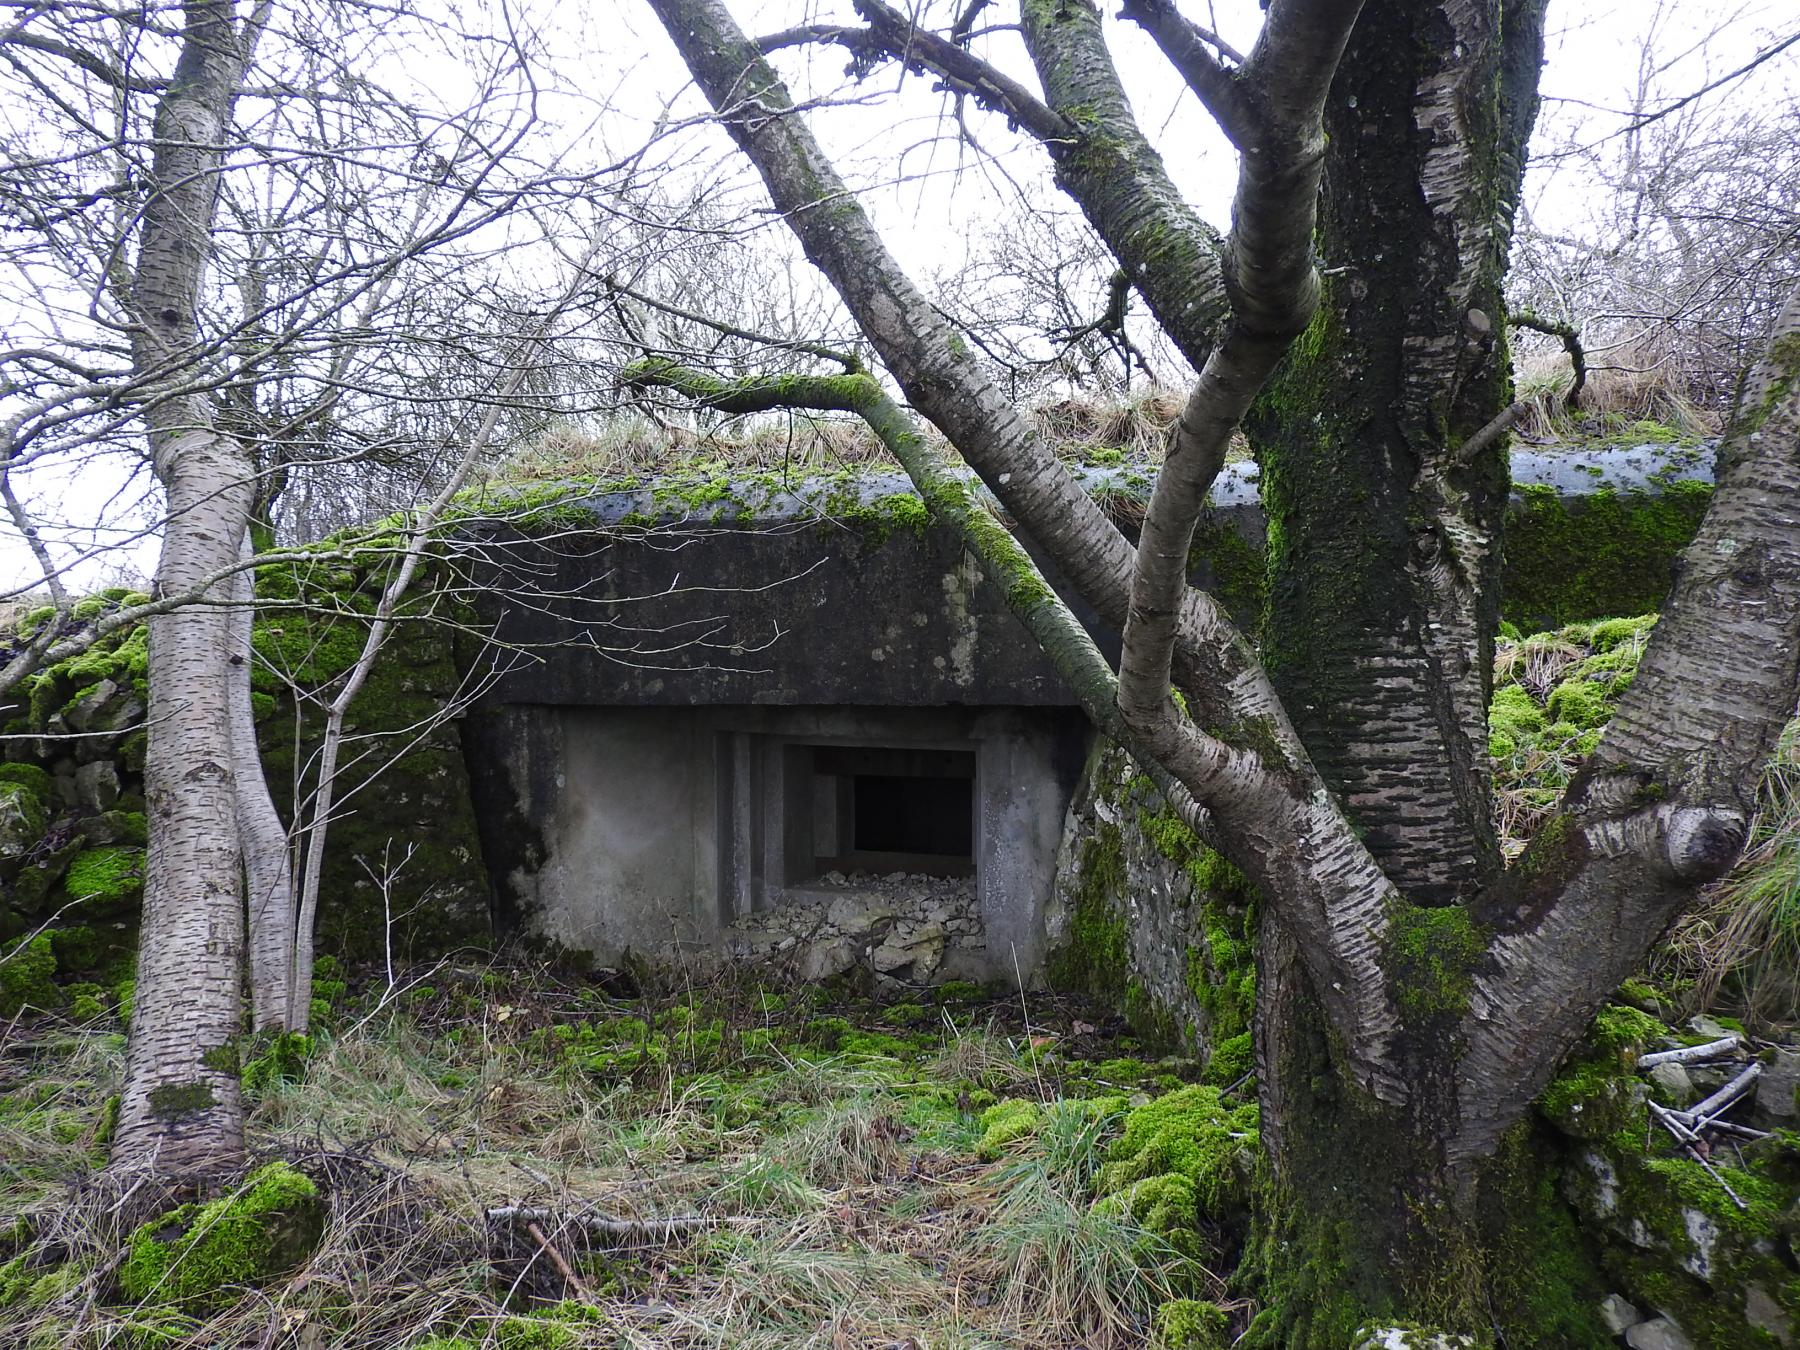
column 898, row 814
column 886, row 809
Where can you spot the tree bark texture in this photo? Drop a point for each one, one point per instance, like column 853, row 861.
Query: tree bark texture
column 268, row 867
column 1384, row 548
column 1415, row 995
column 181, row 1111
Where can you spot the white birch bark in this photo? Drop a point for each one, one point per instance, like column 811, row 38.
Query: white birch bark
column 268, row 870
column 181, row 1110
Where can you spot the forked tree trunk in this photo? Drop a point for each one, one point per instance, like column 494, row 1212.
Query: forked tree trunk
column 1384, row 569
column 181, row 1110
column 1414, row 996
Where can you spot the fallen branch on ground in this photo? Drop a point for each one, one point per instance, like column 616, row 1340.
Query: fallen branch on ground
column 1689, row 1054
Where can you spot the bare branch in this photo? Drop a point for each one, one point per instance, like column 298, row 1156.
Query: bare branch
column 1186, row 45
column 1571, row 341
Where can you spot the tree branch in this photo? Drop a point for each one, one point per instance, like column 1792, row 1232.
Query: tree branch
column 922, row 50
column 851, row 363
column 1571, row 341
column 1186, row 44
column 1274, row 289
column 1115, row 174
column 1664, row 802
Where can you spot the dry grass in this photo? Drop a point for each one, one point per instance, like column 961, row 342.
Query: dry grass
column 859, row 1213
column 1741, row 946
column 630, row 445
column 1627, row 395
column 1627, row 392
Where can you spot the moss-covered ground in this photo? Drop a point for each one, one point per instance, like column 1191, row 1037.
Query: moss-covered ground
column 965, row 1169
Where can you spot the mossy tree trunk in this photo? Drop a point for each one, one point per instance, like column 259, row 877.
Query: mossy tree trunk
column 1384, row 547
column 1383, row 600
column 1415, row 995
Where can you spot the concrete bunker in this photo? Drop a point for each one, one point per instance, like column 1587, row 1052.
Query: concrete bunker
column 866, row 765
column 791, row 724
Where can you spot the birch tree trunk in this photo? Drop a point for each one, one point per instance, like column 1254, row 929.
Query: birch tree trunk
column 181, row 1110
column 1379, row 629
column 268, row 869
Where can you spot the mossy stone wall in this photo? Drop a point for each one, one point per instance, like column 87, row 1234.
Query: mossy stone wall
column 405, row 808
column 72, row 825
column 1148, row 919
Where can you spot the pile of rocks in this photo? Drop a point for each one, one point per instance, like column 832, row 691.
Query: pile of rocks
column 1684, row 1175
column 903, row 928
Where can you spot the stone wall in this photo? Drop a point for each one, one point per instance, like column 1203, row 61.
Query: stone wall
column 72, row 811
column 1147, row 918
column 901, row 930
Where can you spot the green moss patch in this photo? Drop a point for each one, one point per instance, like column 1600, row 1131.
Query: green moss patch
column 1004, row 1124
column 1609, row 553
column 1430, row 956
column 28, row 975
column 29, row 777
column 1094, row 960
column 201, row 1254
column 104, row 878
column 1192, row 1133
column 1190, row 1324
column 1554, row 693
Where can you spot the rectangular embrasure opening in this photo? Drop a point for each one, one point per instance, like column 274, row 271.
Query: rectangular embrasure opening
column 885, row 809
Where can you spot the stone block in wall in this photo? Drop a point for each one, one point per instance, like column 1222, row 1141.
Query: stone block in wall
column 1148, row 919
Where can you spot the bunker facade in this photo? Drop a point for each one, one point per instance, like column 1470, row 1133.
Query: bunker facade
column 791, row 722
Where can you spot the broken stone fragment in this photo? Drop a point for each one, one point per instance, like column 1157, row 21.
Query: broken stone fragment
column 1658, row 1334
column 1410, row 1338
column 1778, row 1089
column 22, row 818
column 1674, row 1082
column 920, row 946
column 1618, row 1315
column 1766, row 1315
column 1702, row 1025
column 97, row 786
column 822, row 960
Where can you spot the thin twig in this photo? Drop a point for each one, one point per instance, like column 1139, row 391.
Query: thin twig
column 1725, row 1096
column 660, row 1230
column 1492, row 432
column 563, row 1268
column 1690, row 1143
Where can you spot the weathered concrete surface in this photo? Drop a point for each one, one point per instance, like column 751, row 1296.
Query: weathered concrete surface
column 682, row 834
column 786, row 613
column 836, row 592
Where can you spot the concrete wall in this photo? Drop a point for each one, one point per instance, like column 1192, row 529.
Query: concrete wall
column 662, row 656
column 822, row 595
column 681, row 834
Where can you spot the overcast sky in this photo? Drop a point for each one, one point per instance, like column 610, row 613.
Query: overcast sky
column 933, row 196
